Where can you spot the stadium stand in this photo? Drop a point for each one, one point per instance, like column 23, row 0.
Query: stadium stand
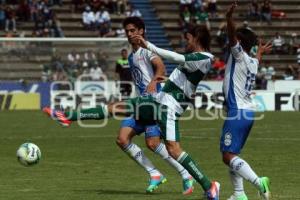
column 162, row 21
column 168, row 12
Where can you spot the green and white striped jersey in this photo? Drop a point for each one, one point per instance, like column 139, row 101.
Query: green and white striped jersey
column 183, row 81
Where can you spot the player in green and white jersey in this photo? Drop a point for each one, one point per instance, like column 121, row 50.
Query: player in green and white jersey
column 167, row 106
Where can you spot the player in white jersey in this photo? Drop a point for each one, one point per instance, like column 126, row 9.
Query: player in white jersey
column 240, row 73
column 145, row 66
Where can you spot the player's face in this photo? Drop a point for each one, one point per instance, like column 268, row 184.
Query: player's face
column 131, row 30
column 190, row 42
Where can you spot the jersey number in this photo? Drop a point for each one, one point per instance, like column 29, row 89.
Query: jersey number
column 249, row 82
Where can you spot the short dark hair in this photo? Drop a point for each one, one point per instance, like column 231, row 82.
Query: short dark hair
column 247, row 38
column 202, row 34
column 136, row 21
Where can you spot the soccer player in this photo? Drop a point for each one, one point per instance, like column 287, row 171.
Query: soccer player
column 167, row 106
column 145, row 67
column 238, row 82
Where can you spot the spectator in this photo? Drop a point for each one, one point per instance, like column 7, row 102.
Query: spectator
column 184, row 4
column 23, row 11
column 55, row 28
column 270, row 73
column 197, row 5
column 201, row 17
column 222, row 37
column 102, row 58
column 277, row 43
column 88, row 18
column 102, row 19
column 133, row 12
column 10, row 19
column 212, row 8
column 74, row 60
column 294, row 43
column 59, row 75
column 219, row 68
column 289, row 73
column 120, row 32
column 117, row 6
column 122, row 69
column 298, row 56
column 253, row 10
column 185, row 18
column 260, row 81
column 96, row 73
column 2, row 17
column 266, row 11
column 89, row 57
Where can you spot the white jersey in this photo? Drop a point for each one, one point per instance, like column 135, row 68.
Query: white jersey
column 141, row 69
column 239, row 79
column 182, row 83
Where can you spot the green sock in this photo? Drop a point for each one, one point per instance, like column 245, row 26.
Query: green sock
column 187, row 162
column 91, row 113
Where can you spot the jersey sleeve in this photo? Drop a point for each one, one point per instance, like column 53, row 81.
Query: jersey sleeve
column 166, row 54
column 197, row 61
column 237, row 51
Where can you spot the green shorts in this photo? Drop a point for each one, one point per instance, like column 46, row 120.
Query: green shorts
column 148, row 112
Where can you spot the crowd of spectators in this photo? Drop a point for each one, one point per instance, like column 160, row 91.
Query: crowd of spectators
column 260, row 12
column 96, row 15
column 89, row 64
column 40, row 12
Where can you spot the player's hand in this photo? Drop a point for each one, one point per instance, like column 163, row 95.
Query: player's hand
column 264, row 48
column 151, row 88
column 138, row 39
column 161, row 79
column 231, row 10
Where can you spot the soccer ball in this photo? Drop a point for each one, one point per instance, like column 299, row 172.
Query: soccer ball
column 29, row 154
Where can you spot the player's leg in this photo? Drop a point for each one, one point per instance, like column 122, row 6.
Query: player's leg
column 168, row 122
column 235, row 132
column 153, row 142
column 122, row 108
column 129, row 128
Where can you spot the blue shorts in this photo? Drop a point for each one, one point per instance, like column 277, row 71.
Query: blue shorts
column 236, row 129
column 149, row 130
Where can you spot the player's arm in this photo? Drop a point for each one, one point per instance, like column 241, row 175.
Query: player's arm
column 159, row 71
column 231, row 26
column 263, row 49
column 166, row 54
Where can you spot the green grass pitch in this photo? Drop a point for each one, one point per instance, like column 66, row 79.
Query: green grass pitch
column 85, row 164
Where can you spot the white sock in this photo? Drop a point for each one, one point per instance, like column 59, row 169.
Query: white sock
column 242, row 168
column 237, row 183
column 162, row 151
column 136, row 153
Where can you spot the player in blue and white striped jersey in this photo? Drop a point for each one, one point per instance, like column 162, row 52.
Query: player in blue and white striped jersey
column 145, row 67
column 240, row 73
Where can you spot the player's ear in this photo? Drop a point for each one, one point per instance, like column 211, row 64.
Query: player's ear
column 141, row 32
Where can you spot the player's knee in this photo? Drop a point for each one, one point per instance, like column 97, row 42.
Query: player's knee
column 227, row 157
column 152, row 144
column 173, row 150
column 122, row 141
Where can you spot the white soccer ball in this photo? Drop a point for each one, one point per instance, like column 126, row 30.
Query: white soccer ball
column 29, row 154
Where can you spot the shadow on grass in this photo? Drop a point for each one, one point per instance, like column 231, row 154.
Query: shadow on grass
column 124, row 192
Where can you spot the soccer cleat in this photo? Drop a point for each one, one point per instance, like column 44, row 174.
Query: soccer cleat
column 58, row 116
column 265, row 191
column 154, row 182
column 239, row 197
column 188, row 187
column 213, row 192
